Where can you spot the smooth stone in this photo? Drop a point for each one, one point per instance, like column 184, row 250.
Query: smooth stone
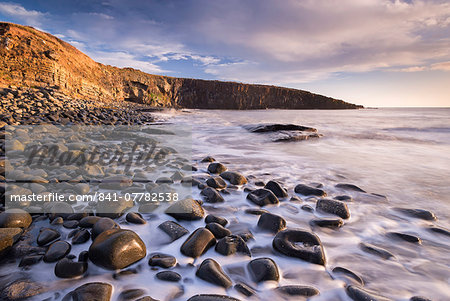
column 340, row 271
column 14, row 233
column 81, row 188
column 116, row 249
column 70, row 224
column 57, row 221
column 66, row 268
column 380, row 252
column 208, row 159
column 244, row 289
column 103, row 224
column 162, row 260
column 163, row 180
column 135, row 218
column 406, row 237
column 210, row 271
column 198, row 243
column 333, row 207
column 177, row 176
column 216, row 182
column 173, row 229
column 439, row 230
column 56, row 251
column 47, row 235
column 300, row 244
column 358, row 294
column 210, row 218
column 255, row 211
column 277, row 189
column 263, row 269
column 131, row 294
column 212, row 195
column 419, row 298
column 307, row 208
column 77, row 216
column 232, row 244
column 295, row 199
column 349, row 187
column 262, row 197
column 234, row 178
column 83, row 256
column 217, row 168
column 271, row 222
column 218, row 230
column 15, row 218
column 308, row 190
column 212, row 297
column 81, row 236
column 30, row 260
column 116, row 182
column 20, row 289
column 168, row 276
column 344, row 198
column 418, row 213
column 332, row 223
column 187, row 209
column 97, row 291
column 88, row 221
column 297, row 290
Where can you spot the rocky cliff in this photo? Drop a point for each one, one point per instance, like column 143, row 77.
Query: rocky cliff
column 29, row 57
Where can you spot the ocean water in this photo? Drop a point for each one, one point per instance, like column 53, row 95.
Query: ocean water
column 402, row 154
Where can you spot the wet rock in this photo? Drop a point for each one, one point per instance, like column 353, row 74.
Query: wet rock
column 216, row 182
column 263, row 269
column 405, row 237
column 103, row 224
column 88, row 221
column 244, row 289
column 264, row 128
column 297, row 290
column 212, row 297
column 116, row 249
column 218, row 230
column 70, row 224
column 212, row 195
column 307, row 208
column 97, row 291
column 234, row 178
column 83, row 256
column 164, row 180
column 66, row 268
column 215, row 219
column 340, row 272
column 56, row 251
column 255, row 211
column 81, row 236
column 198, row 243
column 344, row 198
column 439, row 230
column 162, row 260
column 308, row 190
column 20, row 289
column 333, row 207
column 116, row 182
column 12, row 233
column 271, row 222
column 15, row 218
column 208, row 159
column 187, row 209
column 359, row 294
column 58, row 221
column 418, row 213
column 210, row 271
column 419, row 298
column 349, row 187
column 232, row 244
column 276, row 188
column 135, row 218
column 262, row 197
column 372, row 249
column 300, row 244
column 168, row 276
column 173, row 229
column 30, row 260
column 332, row 223
column 132, row 294
column 216, row 167
column 296, row 199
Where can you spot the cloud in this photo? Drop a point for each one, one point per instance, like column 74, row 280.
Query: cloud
column 444, row 66
column 17, row 11
column 123, row 59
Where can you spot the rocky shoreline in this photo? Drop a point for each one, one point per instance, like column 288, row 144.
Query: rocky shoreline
column 79, row 246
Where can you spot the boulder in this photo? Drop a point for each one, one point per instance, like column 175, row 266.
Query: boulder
column 198, row 243
column 262, row 197
column 210, row 271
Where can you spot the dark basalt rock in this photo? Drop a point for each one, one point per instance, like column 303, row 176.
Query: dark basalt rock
column 439, row 230
column 244, row 289
column 66, row 268
column 83, row 256
column 308, row 190
column 210, row 271
column 216, row 182
column 173, row 229
column 187, row 209
column 97, row 291
column 333, row 207
column 212, row 195
column 215, row 219
column 232, row 244
column 344, row 198
column 162, row 260
column 212, row 297
column 271, row 222
column 300, row 244
column 131, row 294
column 88, row 221
column 103, row 224
column 380, row 252
column 135, row 218
column 46, row 236
column 262, row 197
column 116, row 249
column 168, row 276
column 277, row 189
column 418, row 213
column 216, row 167
column 234, row 178
column 15, row 218
column 297, row 290
column 70, row 224
column 255, row 211
column 81, row 236
column 264, row 128
column 30, row 260
column 263, row 269
column 419, row 298
column 346, row 273
column 198, row 243
column 359, row 294
column 218, row 230
column 405, row 237
column 349, row 187
column 164, row 180
column 56, row 251
column 332, row 223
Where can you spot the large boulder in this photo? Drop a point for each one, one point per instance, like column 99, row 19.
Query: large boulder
column 187, row 209
column 262, row 197
column 15, row 218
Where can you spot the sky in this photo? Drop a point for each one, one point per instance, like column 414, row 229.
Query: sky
column 371, row 52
